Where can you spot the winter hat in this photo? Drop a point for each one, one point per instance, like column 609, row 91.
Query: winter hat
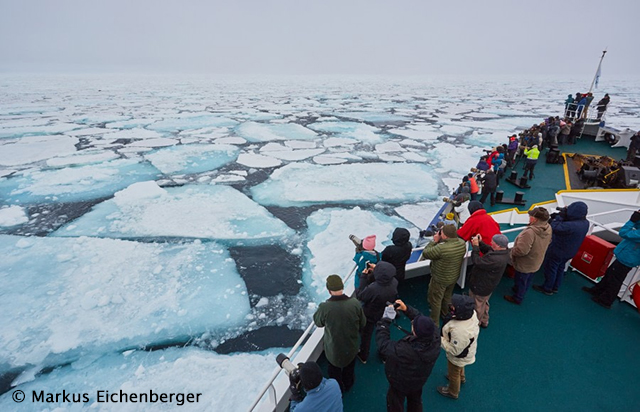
column 474, row 206
column 501, row 240
column 369, row 242
column 423, row 326
column 539, row 213
column 334, row 283
column 310, row 375
column 450, row 231
column 449, row 216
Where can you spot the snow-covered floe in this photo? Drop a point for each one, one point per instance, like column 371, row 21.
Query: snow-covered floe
column 299, row 184
column 75, row 183
column 262, row 132
column 12, row 216
column 193, row 158
column 64, row 298
column 36, row 148
column 194, row 211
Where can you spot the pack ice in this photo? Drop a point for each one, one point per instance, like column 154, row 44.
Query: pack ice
column 65, row 298
column 302, row 184
column 194, row 211
column 174, row 370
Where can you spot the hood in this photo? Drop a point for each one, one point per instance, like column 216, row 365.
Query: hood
column 577, row 211
column 474, row 206
column 542, row 229
column 400, row 236
column 463, row 307
column 384, row 272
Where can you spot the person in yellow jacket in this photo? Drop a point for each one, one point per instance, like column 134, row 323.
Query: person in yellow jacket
column 532, row 158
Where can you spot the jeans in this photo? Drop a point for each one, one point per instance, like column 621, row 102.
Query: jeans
column 346, row 376
column 439, row 298
column 395, row 400
column 485, row 193
column 607, row 290
column 529, row 166
column 522, row 283
column 553, row 272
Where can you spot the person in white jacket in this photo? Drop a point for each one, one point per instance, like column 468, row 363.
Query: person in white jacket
column 460, row 341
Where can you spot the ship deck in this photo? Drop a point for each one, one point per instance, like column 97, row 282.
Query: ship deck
column 560, row 352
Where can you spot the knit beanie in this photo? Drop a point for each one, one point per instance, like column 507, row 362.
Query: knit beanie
column 423, row 326
column 540, row 213
column 310, row 375
column 474, row 206
column 501, row 240
column 369, row 242
column 334, row 283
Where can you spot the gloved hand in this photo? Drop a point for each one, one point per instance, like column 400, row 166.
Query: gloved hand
column 635, row 216
column 389, row 313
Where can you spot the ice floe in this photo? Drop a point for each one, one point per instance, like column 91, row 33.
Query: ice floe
column 12, row 216
column 193, row 158
column 36, row 148
column 78, row 183
column 304, row 184
column 194, row 211
column 64, row 298
column 261, row 132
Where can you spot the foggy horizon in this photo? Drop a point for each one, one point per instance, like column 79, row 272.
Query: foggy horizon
column 372, row 38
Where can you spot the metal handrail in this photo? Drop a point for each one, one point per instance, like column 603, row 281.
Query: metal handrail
column 293, row 350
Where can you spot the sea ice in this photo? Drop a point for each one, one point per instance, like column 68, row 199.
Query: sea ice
column 330, row 249
column 349, row 130
column 12, row 216
column 83, row 157
column 455, row 158
column 258, row 161
column 192, row 121
column 194, row 211
column 300, row 184
column 74, row 184
column 55, row 128
column 173, row 370
column 36, row 148
column 261, row 132
column 64, row 298
column 134, row 133
column 420, row 214
column 193, row 158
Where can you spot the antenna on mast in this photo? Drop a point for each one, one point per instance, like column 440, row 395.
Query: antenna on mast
column 597, row 76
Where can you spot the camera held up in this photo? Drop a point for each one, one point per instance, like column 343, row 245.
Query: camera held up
column 293, row 372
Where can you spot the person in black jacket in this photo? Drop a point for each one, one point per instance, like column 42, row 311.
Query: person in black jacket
column 409, row 361
column 400, row 252
column 487, row 272
column 489, row 186
column 378, row 286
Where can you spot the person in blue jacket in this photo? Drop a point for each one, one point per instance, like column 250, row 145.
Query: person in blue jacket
column 627, row 255
column 569, row 228
column 323, row 395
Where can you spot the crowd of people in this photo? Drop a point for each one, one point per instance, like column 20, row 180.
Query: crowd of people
column 549, row 241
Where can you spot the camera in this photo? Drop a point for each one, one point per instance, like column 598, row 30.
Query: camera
column 396, row 305
column 356, row 240
column 294, row 376
column 292, row 370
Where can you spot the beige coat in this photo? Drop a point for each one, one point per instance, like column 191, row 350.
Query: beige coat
column 530, row 246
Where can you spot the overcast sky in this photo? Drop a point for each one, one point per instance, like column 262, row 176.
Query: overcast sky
column 320, row 37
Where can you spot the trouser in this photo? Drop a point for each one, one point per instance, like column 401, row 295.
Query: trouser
column 365, row 338
column 474, row 196
column 511, row 155
column 396, row 397
column 482, row 308
column 529, row 166
column 522, row 283
column 553, row 272
column 346, row 376
column 439, row 298
column 456, row 375
column 607, row 290
column 487, row 192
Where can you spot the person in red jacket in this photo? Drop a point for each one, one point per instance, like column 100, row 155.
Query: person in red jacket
column 478, row 223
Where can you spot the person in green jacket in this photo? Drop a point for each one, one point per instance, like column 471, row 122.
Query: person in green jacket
column 342, row 317
column 446, row 252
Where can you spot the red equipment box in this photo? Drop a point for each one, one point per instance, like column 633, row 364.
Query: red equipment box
column 593, row 258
